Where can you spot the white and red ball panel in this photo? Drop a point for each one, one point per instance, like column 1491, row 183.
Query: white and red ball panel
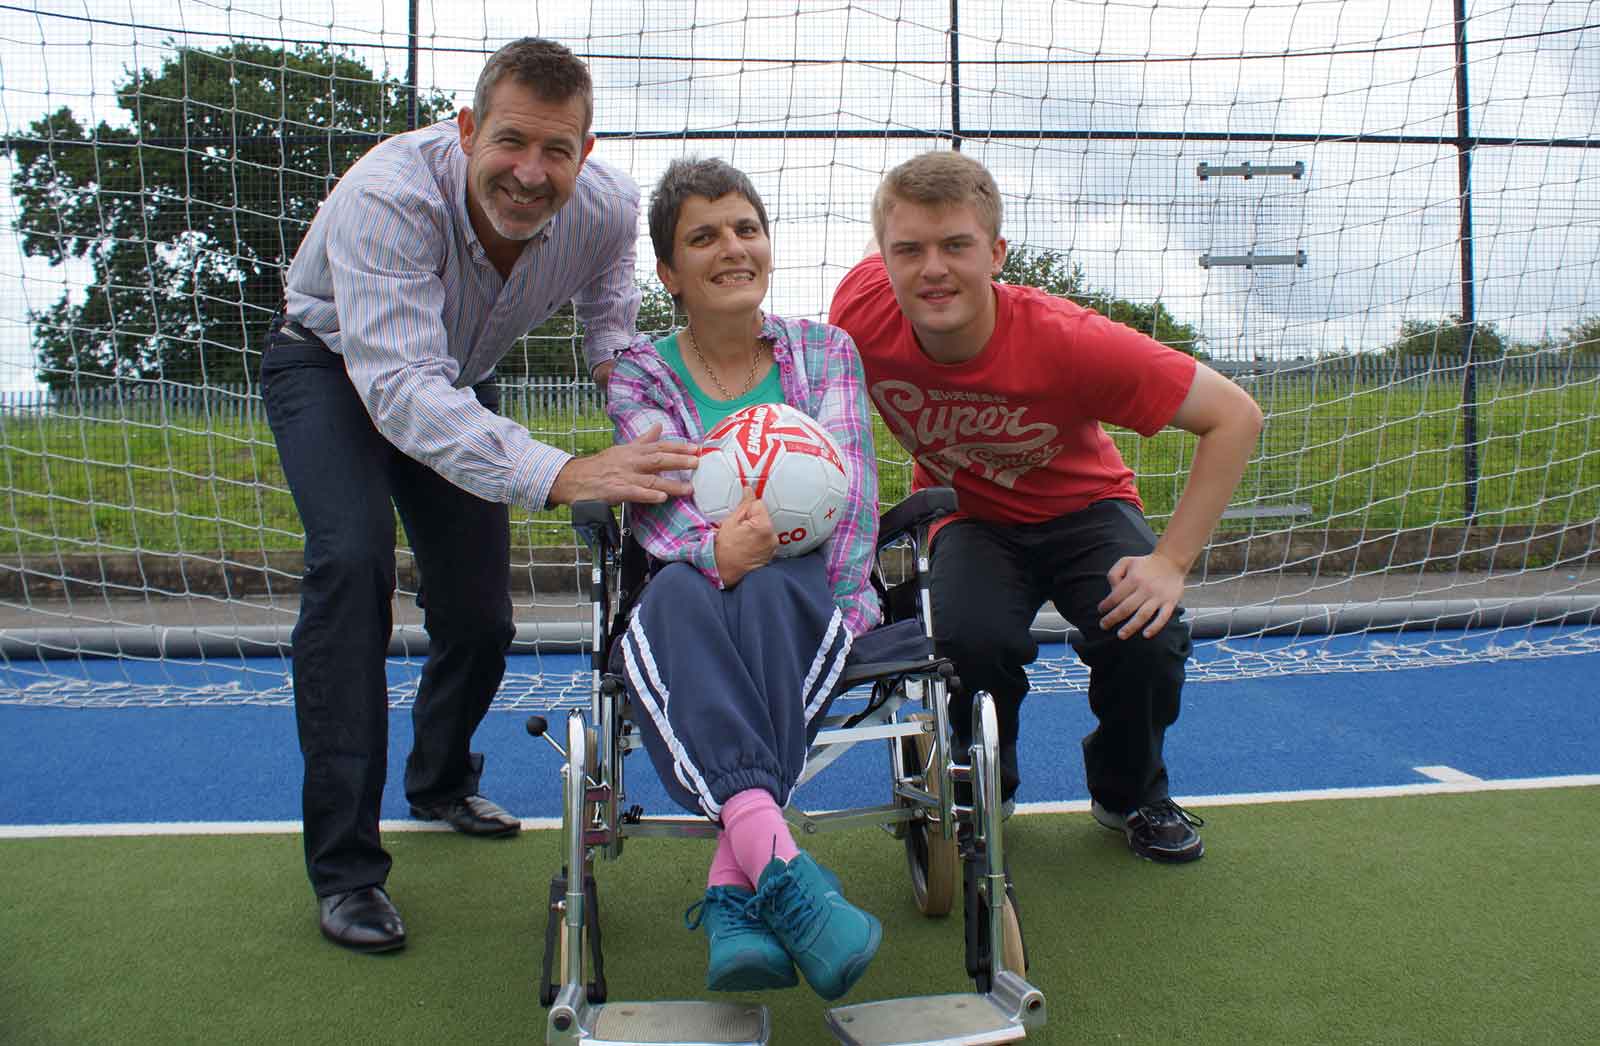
column 791, row 463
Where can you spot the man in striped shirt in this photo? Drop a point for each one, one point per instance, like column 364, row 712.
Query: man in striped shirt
column 434, row 253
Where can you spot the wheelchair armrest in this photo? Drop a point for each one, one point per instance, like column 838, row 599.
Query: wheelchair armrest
column 596, row 524
column 920, row 508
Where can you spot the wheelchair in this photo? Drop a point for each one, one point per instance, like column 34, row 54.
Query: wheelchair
column 905, row 709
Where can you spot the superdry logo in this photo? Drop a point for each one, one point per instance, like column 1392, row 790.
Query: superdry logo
column 945, row 434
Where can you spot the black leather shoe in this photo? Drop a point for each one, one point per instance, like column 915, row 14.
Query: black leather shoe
column 363, row 920
column 470, row 815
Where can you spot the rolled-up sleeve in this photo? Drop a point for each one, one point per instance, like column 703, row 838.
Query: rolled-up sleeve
column 608, row 228
column 382, row 258
column 608, row 308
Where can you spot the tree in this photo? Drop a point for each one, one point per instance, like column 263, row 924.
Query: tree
column 188, row 216
column 1044, row 269
column 1052, row 272
column 554, row 349
column 1583, row 338
column 1444, row 341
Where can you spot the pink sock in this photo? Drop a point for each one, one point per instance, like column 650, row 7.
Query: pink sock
column 725, row 870
column 756, row 831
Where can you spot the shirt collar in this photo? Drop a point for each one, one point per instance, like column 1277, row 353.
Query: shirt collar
column 773, row 332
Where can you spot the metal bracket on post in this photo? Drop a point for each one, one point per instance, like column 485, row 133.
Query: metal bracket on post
column 1250, row 259
column 1244, row 170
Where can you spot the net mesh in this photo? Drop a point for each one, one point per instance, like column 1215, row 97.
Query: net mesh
column 1328, row 199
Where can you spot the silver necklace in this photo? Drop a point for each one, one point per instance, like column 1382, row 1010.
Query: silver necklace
column 749, row 382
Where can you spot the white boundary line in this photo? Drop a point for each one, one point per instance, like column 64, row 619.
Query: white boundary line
column 1456, row 786
column 155, row 828
column 1445, row 773
column 1453, row 787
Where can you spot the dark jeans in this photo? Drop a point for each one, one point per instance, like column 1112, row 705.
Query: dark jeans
column 347, row 482
column 989, row 580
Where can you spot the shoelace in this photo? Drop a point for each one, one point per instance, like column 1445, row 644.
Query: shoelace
column 1166, row 812
column 785, row 903
column 741, row 913
column 695, row 914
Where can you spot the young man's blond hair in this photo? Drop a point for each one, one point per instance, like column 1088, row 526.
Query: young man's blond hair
column 939, row 179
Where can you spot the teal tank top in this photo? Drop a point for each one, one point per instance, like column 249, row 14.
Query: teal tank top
column 712, row 411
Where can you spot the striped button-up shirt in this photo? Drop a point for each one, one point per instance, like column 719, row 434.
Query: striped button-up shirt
column 821, row 374
column 392, row 276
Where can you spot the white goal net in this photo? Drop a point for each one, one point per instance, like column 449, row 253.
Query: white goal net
column 1382, row 217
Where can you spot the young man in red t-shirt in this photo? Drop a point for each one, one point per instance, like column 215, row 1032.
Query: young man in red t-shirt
column 1000, row 392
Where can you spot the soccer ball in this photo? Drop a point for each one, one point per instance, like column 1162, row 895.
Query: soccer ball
column 791, row 463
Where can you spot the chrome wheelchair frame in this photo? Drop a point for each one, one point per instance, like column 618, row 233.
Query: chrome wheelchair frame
column 907, row 710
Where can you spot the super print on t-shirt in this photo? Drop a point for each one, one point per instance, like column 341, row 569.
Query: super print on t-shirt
column 952, row 429
column 1016, row 430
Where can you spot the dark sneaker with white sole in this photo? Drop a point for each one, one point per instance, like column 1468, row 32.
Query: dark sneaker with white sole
column 1158, row 831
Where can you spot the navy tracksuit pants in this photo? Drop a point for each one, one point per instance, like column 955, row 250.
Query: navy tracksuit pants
column 729, row 684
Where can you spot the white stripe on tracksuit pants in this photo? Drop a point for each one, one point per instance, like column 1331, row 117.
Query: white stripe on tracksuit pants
column 729, row 684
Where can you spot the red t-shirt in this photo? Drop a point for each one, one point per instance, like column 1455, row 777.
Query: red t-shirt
column 1016, row 430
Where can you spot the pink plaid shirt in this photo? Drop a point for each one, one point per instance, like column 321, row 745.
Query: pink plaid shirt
column 821, row 375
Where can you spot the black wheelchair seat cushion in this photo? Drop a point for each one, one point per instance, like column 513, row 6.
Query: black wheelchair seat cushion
column 887, row 650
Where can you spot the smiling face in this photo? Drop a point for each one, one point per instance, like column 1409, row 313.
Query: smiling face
column 721, row 257
column 942, row 260
column 523, row 159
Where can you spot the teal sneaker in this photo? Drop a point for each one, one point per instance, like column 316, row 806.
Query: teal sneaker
column 829, row 939
column 744, row 955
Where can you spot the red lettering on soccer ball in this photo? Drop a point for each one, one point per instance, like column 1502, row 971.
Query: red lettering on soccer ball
column 755, row 439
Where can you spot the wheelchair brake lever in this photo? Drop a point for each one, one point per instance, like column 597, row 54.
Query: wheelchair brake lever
column 538, row 726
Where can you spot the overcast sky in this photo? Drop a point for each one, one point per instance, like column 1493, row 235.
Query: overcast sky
column 1378, row 223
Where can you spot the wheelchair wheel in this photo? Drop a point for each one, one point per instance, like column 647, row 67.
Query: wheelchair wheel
column 1013, row 949
column 584, row 941
column 933, row 861
column 565, row 944
column 1011, row 938
column 591, row 767
column 591, row 762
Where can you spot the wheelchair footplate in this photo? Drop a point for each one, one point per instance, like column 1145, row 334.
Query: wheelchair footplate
column 970, row 1019
column 669, row 1024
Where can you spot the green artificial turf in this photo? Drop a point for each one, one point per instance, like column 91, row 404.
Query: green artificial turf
column 1459, row 919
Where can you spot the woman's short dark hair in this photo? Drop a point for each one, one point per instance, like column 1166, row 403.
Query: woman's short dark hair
column 690, row 176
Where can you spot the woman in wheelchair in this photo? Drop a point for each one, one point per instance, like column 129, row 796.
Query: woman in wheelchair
column 731, row 654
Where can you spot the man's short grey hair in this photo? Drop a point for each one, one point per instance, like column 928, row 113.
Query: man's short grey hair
column 690, row 176
column 553, row 73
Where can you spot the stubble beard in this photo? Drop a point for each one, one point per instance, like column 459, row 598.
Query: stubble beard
column 518, row 231
column 504, row 225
